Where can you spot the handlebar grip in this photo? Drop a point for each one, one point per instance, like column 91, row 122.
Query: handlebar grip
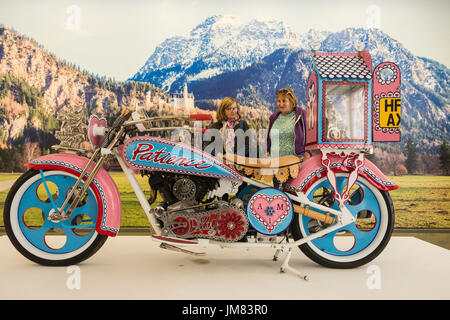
column 200, row 116
column 124, row 116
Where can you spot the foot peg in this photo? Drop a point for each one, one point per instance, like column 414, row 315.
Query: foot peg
column 167, row 246
column 173, row 244
column 177, row 241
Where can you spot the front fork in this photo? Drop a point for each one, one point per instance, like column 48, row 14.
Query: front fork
column 76, row 193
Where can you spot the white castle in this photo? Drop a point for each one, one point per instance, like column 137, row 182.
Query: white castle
column 182, row 101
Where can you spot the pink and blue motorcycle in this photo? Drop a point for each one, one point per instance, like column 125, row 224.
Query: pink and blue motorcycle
column 334, row 206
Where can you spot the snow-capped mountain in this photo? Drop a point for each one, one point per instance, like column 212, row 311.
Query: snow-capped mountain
column 224, row 57
column 222, row 43
column 384, row 48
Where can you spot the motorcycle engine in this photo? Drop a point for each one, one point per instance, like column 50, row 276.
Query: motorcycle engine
column 175, row 187
column 185, row 214
column 219, row 220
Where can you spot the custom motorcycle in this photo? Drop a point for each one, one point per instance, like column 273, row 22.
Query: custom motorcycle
column 333, row 197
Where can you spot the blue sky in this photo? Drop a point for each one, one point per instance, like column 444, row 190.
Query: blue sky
column 115, row 38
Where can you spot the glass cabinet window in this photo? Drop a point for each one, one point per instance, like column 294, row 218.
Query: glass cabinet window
column 344, row 112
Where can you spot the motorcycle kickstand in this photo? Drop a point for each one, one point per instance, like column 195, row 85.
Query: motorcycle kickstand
column 275, row 256
column 285, row 266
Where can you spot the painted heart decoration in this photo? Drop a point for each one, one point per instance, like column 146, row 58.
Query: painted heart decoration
column 95, row 121
column 270, row 211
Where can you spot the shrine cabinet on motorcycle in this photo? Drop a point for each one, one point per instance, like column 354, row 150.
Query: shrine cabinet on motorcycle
column 348, row 108
column 347, row 105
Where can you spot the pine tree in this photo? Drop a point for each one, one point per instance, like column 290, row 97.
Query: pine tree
column 444, row 157
column 411, row 162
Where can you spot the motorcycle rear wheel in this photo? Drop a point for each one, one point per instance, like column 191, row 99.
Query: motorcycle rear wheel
column 45, row 242
column 371, row 231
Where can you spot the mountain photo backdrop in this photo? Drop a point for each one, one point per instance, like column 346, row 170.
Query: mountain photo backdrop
column 220, row 57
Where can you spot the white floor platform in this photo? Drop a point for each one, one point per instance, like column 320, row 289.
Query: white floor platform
column 134, row 267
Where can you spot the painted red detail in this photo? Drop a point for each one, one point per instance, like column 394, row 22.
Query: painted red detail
column 227, row 219
column 201, row 117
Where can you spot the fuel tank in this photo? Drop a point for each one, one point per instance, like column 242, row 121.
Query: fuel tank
column 156, row 154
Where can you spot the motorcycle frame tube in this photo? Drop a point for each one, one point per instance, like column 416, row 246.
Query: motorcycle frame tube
column 281, row 246
column 138, row 192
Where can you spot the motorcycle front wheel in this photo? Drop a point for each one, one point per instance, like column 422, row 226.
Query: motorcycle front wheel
column 45, row 242
column 357, row 243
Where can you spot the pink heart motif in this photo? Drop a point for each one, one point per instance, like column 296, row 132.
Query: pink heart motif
column 95, row 121
column 270, row 211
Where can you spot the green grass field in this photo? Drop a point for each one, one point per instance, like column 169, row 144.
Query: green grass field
column 421, row 201
column 8, row 176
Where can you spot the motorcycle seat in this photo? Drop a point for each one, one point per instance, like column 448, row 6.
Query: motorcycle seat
column 282, row 168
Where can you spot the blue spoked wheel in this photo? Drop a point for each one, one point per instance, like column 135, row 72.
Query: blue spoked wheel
column 357, row 243
column 30, row 201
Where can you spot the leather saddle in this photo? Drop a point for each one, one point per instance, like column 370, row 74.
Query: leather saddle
column 265, row 169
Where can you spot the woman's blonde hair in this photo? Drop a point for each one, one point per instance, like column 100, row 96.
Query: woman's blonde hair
column 287, row 92
column 225, row 103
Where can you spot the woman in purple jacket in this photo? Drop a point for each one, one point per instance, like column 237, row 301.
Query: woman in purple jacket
column 288, row 125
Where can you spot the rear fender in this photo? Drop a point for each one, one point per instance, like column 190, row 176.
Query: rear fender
column 312, row 170
column 106, row 192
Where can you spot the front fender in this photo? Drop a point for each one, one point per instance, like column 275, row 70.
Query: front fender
column 110, row 206
column 312, row 170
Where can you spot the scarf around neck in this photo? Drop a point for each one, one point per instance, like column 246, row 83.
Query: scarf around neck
column 228, row 134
